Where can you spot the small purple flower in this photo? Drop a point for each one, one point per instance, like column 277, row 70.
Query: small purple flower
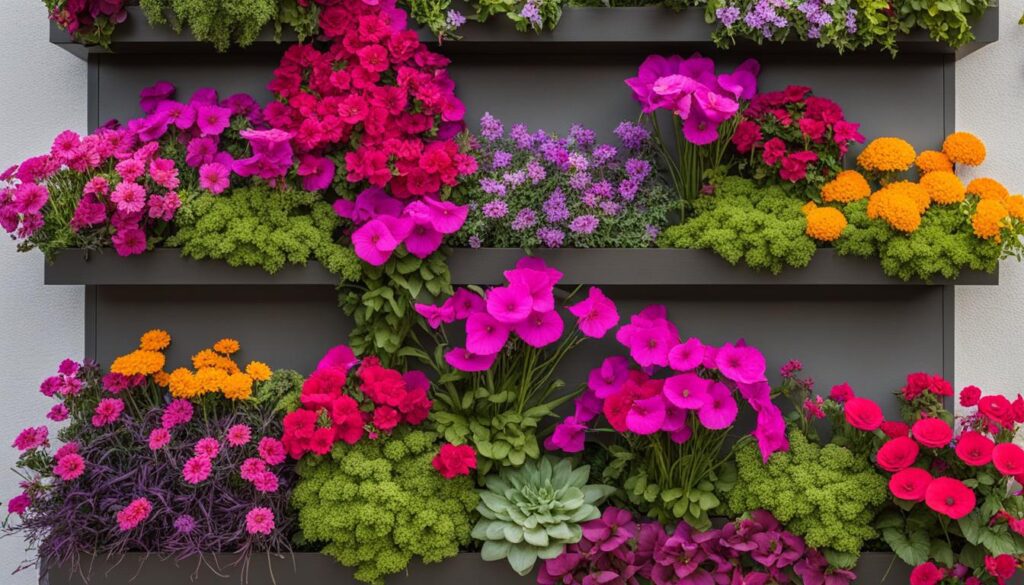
column 579, row 181
column 531, row 12
column 581, row 135
column 652, row 232
column 474, row 242
column 604, row 153
column 501, row 159
column 584, row 224
column 515, row 179
column 578, row 161
column 851, row 21
column 525, row 219
column 610, row 208
column 555, row 209
column 185, row 524
column 455, row 19
column 555, row 153
column 727, row 15
column 535, row 172
column 495, row 209
column 602, row 189
column 521, row 135
column 491, row 128
column 638, row 168
column 628, row 189
column 551, row 237
column 632, row 135
column 493, row 187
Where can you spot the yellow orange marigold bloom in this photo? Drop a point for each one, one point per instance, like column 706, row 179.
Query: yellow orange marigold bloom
column 183, row 384
column 1015, row 205
column 139, row 361
column 988, row 189
column 846, row 187
column 964, row 148
column 914, row 191
column 155, row 340
column 933, row 161
column 896, row 207
column 943, row 187
column 258, row 371
column 210, row 359
column 989, row 218
column 226, row 346
column 825, row 224
column 210, row 380
column 237, row 387
column 808, row 207
column 162, row 379
column 887, row 155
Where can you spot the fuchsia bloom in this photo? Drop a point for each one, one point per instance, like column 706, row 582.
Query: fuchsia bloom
column 646, row 416
column 129, row 197
column 374, row 242
column 69, row 467
column 19, row 503
column 596, row 314
column 259, row 520
column 107, row 411
column 467, row 361
column 178, row 412
column 251, row 468
column 649, row 336
column 58, row 413
column 207, row 447
column 214, row 177
column 741, row 363
column 540, row 329
column 134, row 514
column 197, row 469
column 271, row 451
column 129, row 241
column 454, row 460
column 609, row 377
column 239, row 435
column 159, row 438
column 212, row 120
column 720, row 409
column 485, row 335
column 510, row 304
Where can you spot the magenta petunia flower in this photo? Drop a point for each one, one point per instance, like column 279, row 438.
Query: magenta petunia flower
column 568, row 436
column 687, row 391
column 675, row 418
column 609, row 377
column 596, row 314
column 741, row 363
column 720, row 409
column 771, row 431
column 466, row 361
column 317, row 172
column 465, row 302
column 423, row 240
column 374, row 242
column 540, row 329
column 214, row 177
column 212, row 120
column 646, row 416
column 510, row 304
column 686, row 356
column 446, row 216
column 485, row 335
column 435, row 315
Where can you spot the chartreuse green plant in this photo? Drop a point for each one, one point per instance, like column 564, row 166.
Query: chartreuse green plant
column 532, row 512
column 761, row 226
column 264, row 227
column 825, row 494
column 232, row 22
column 376, row 505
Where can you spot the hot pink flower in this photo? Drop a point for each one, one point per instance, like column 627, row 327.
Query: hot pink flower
column 596, row 314
column 134, row 514
column 446, row 216
column 686, row 356
column 454, row 460
column 177, row 413
column 950, row 497
column 212, row 120
column 259, row 521
column 207, row 447
column 271, row 450
column 386, row 418
column 107, row 411
column 898, row 454
column 19, row 503
column 130, row 170
column 540, row 329
column 568, row 436
column 910, row 484
column 719, row 410
column 863, row 414
column 129, row 241
column 932, row 432
column 646, row 415
column 485, row 335
column 69, row 467
column 374, row 242
column 197, row 469
column 510, row 304
column 30, row 198
column 609, row 377
column 466, row 361
column 687, row 391
column 741, row 363
column 266, row 482
column 927, row 574
column 1008, row 459
column 251, row 468
column 58, row 413
column 239, row 435
column 159, row 438
column 214, row 177
column 129, row 197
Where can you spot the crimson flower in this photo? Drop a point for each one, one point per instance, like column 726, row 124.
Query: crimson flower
column 863, row 414
column 454, row 460
column 932, row 432
column 950, row 497
column 974, row 449
column 898, row 454
column 911, row 484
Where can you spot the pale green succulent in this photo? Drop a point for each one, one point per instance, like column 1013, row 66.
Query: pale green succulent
column 533, row 511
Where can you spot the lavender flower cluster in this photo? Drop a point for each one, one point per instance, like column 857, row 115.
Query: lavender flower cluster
column 828, row 22
column 536, row 189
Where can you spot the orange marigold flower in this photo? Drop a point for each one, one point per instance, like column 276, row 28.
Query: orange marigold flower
column 943, row 187
column 183, row 384
column 989, row 218
column 887, row 155
column 210, row 359
column 964, row 148
column 914, row 191
column 846, row 187
column 237, row 387
column 162, row 379
column 1015, row 205
column 210, row 379
column 258, row 371
column 808, row 207
column 988, row 189
column 825, row 224
column 139, row 361
column 155, row 340
column 226, row 346
column 933, row 161
column 896, row 207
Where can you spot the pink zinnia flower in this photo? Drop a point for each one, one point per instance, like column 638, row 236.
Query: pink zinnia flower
column 265, row 482
column 19, row 503
column 251, row 468
column 58, row 413
column 271, row 450
column 107, row 411
column 134, row 514
column 129, row 197
column 207, row 447
column 510, row 304
column 239, row 435
column 214, row 177
column 66, row 449
column 177, row 413
column 129, row 241
column 596, row 314
column 164, row 173
column 30, row 198
column 159, row 438
column 197, row 469
column 70, row 467
column 540, row 329
column 719, row 411
column 259, row 521
column 130, row 170
column 485, row 335
column 466, row 361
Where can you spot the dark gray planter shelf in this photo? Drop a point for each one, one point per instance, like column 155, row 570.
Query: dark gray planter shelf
column 466, row 569
column 609, row 267
column 580, row 29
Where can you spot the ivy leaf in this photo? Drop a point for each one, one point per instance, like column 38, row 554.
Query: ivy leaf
column 971, row 526
column 941, row 552
column 911, row 548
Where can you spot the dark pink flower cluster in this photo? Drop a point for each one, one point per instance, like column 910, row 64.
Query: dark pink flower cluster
column 330, row 412
column 79, row 17
column 702, row 389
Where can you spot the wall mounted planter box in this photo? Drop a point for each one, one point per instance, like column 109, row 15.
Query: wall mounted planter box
column 606, row 29
column 466, row 569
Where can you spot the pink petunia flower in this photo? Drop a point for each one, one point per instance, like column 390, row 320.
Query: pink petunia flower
column 212, row 120
column 485, row 335
column 259, row 521
column 741, row 363
column 596, row 314
column 687, row 391
column 510, row 304
column 686, row 356
column 609, row 377
column 374, row 242
column 463, row 360
column 646, row 416
column 719, row 410
column 540, row 329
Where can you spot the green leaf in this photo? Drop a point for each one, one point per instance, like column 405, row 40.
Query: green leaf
column 910, row 548
column 941, row 552
column 971, row 525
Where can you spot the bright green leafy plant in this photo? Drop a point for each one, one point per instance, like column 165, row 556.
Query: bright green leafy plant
column 532, row 512
column 377, row 504
column 232, row 22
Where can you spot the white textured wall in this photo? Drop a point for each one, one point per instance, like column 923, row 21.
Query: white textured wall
column 42, row 91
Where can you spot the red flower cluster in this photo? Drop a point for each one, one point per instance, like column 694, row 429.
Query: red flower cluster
column 376, row 96
column 800, row 137
column 454, row 460
column 381, row 400
column 921, row 382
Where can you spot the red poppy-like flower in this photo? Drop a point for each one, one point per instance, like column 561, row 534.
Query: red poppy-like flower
column 454, row 460
column 950, row 497
column 932, row 432
column 895, row 428
column 1001, row 567
column 970, row 396
column 996, row 408
column 863, row 414
column 841, row 392
column 927, row 574
column 1008, row 458
column 911, row 484
column 916, row 384
column 898, row 454
column 974, row 449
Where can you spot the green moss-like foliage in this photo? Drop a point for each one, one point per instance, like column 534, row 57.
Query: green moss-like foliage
column 943, row 246
column 762, row 226
column 227, row 22
column 377, row 504
column 824, row 494
column 260, row 226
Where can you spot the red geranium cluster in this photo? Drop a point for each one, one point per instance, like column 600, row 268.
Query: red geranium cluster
column 376, row 101
column 794, row 137
column 333, row 409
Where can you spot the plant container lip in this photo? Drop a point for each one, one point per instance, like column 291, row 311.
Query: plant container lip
column 613, row 30
column 486, row 266
column 874, row 568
